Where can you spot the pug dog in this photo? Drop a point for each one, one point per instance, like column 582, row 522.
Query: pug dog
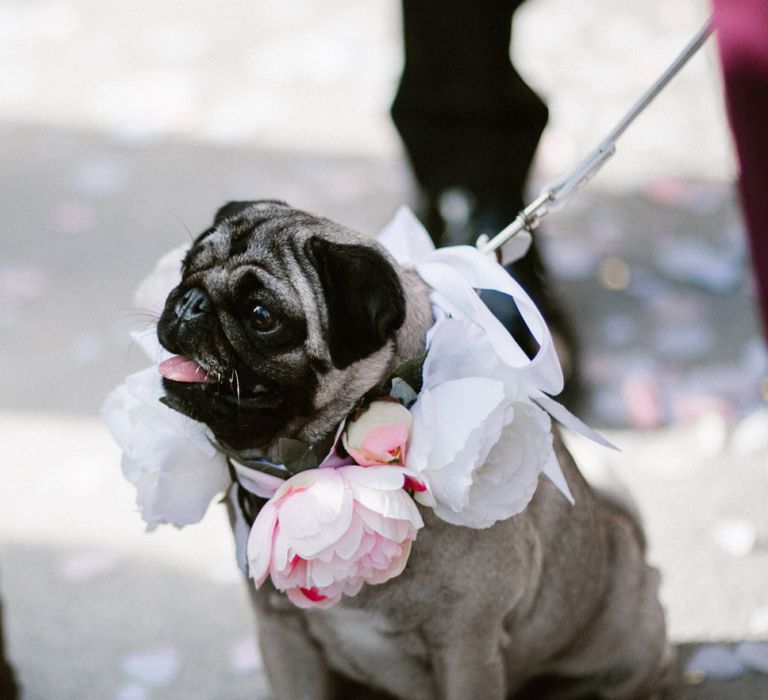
column 292, row 318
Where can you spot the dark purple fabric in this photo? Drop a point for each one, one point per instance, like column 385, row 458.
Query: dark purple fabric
column 742, row 35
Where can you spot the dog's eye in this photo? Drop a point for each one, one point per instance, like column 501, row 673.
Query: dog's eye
column 262, row 319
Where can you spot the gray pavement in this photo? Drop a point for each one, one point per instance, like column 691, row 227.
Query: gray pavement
column 122, row 130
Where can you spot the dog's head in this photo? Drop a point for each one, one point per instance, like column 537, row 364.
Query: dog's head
column 287, row 320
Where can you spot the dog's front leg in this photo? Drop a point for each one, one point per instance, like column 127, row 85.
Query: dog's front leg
column 295, row 668
column 470, row 666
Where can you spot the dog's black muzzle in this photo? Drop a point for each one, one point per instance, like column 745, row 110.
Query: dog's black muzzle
column 188, row 316
column 193, row 305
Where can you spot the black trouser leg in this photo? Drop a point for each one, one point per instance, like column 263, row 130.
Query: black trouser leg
column 466, row 117
column 471, row 124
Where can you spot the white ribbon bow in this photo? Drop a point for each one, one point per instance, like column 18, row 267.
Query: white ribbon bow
column 455, row 273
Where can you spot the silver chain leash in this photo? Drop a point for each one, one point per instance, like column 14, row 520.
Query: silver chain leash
column 556, row 194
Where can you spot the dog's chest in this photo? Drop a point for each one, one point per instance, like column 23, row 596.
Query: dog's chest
column 367, row 647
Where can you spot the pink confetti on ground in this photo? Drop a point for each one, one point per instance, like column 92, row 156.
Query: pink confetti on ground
column 670, row 192
column 690, row 406
column 643, row 401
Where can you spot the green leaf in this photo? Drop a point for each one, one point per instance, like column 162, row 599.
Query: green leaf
column 410, row 372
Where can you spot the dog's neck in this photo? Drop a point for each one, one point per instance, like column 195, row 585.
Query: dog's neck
column 411, row 337
column 332, row 407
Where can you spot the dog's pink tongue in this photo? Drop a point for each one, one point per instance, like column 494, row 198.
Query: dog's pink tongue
column 182, row 369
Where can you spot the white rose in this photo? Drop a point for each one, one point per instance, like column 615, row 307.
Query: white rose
column 505, row 484
column 477, row 437
column 166, row 456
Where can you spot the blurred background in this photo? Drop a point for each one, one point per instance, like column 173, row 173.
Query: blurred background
column 123, row 126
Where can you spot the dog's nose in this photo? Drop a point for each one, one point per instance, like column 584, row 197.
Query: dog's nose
column 193, row 304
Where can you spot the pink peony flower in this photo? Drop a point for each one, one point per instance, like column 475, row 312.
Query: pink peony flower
column 379, row 435
column 326, row 532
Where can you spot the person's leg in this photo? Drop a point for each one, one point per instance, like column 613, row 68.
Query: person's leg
column 470, row 125
column 743, row 41
column 469, row 122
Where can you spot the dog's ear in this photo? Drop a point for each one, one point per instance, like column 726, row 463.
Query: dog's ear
column 365, row 300
column 232, row 209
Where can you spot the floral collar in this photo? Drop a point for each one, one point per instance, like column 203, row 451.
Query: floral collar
column 468, row 436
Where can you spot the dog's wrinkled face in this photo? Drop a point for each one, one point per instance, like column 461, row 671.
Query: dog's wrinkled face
column 274, row 306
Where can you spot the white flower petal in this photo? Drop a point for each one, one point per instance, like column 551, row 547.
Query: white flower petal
column 372, row 545
column 455, row 410
column 562, row 415
column 468, row 342
column 168, row 457
column 449, row 358
column 319, row 575
column 307, row 510
column 462, row 301
column 260, row 542
column 308, row 539
column 348, row 543
column 392, row 529
column 455, row 272
column 469, row 414
column 405, row 237
column 379, row 478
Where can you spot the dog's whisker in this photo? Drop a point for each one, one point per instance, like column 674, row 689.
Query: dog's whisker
column 183, row 224
column 237, row 381
column 148, row 332
column 139, row 319
column 143, row 314
column 231, row 380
